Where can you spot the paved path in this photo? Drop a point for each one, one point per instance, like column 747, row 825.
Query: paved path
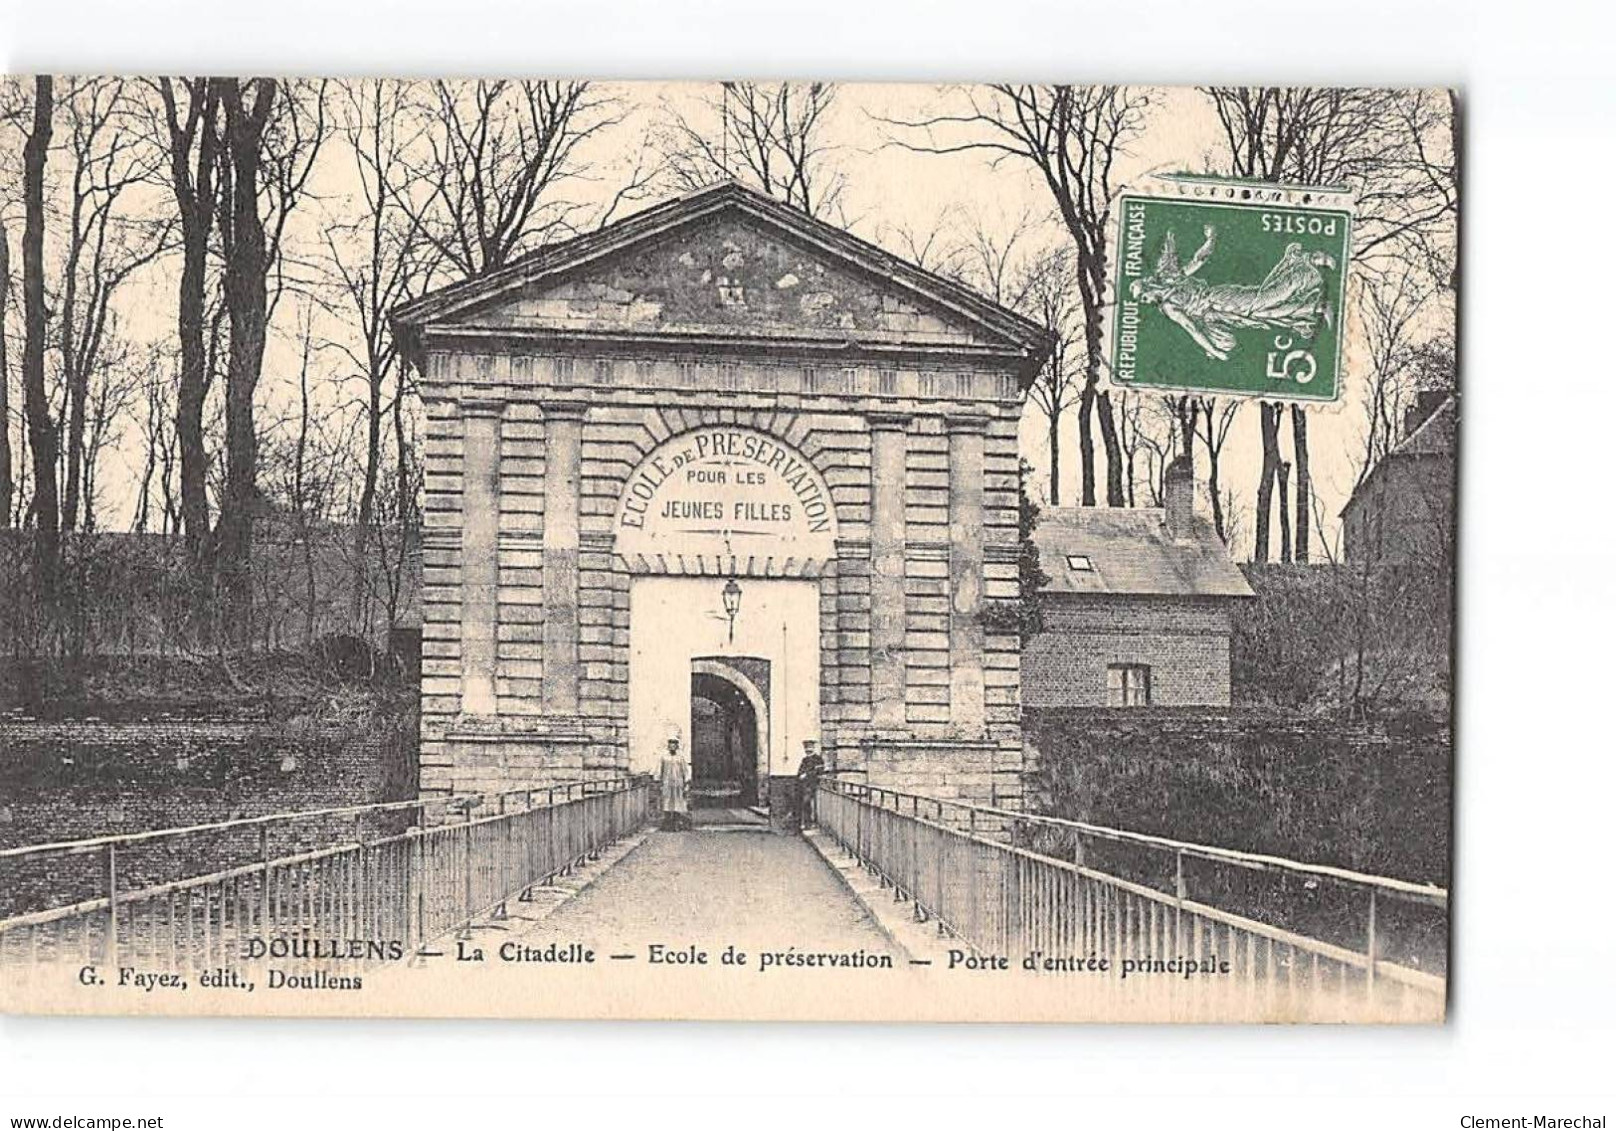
column 741, row 885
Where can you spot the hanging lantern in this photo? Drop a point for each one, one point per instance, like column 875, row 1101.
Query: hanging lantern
column 732, row 604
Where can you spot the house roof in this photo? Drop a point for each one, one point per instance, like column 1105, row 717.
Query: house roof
column 1129, row 553
column 458, row 304
column 1434, row 437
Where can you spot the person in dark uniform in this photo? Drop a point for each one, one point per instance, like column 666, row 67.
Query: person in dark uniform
column 809, row 771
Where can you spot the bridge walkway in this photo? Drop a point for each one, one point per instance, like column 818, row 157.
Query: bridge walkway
column 713, row 885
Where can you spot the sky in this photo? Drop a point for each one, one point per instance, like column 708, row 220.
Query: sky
column 888, row 189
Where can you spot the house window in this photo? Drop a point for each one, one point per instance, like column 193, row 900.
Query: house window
column 1079, row 563
column 1127, row 685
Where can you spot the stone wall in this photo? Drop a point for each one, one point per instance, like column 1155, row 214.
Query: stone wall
column 64, row 779
column 981, row 773
column 1183, row 640
column 925, row 535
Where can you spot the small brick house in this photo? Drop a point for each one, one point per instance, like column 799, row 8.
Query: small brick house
column 1139, row 607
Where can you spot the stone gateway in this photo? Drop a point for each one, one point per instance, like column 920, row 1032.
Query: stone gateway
column 723, row 471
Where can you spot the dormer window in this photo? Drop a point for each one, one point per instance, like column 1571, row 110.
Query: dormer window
column 1079, row 563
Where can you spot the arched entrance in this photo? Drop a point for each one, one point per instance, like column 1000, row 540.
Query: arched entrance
column 729, row 732
column 725, row 532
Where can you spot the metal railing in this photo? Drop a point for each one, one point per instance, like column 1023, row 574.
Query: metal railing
column 1157, row 924
column 409, row 872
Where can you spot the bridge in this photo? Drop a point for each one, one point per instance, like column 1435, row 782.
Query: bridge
column 1153, row 926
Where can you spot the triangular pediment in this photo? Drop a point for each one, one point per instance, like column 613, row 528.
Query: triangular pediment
column 725, row 274
column 726, row 262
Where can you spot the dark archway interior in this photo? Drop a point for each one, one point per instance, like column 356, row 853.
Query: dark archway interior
column 723, row 744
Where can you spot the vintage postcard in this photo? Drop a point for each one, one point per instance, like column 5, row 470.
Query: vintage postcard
column 757, row 550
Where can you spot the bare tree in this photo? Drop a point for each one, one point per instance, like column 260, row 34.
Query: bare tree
column 1282, row 484
column 1151, row 429
column 190, row 116
column 1185, row 410
column 380, row 258
column 1304, row 481
column 309, row 478
column 1130, row 413
column 495, row 163
column 1266, row 129
column 272, row 133
column 1215, row 422
column 1443, row 171
column 303, row 490
column 1072, row 136
column 771, row 135
column 397, row 535
column 115, row 387
column 247, row 106
column 1234, row 515
column 1041, row 283
column 931, row 247
column 1385, row 144
column 998, row 260
column 104, row 244
column 1382, row 143
column 45, row 508
column 6, row 484
column 159, row 443
column 1045, row 294
column 293, row 139
column 1389, row 306
column 1273, row 466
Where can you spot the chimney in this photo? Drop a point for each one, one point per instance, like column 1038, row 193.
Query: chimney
column 1426, row 402
column 1178, row 495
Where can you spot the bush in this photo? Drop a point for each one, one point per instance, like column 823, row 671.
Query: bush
column 1312, row 789
column 348, row 657
column 1374, row 799
column 1345, row 638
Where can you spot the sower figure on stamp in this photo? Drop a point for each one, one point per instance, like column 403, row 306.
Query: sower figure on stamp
column 1290, row 297
column 809, row 771
column 675, row 787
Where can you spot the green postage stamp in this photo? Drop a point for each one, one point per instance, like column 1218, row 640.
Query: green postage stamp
column 1230, row 287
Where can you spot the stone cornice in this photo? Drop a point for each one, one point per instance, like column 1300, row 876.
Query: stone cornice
column 567, row 409
column 872, row 348
column 967, row 421
column 928, row 551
